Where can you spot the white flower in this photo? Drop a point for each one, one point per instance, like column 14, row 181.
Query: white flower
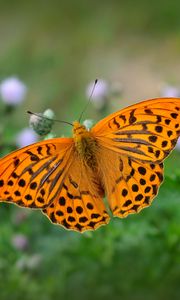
column 26, row 137
column 170, row 91
column 12, row 91
column 88, row 123
column 100, row 93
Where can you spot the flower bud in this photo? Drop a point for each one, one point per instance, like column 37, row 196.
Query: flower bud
column 42, row 123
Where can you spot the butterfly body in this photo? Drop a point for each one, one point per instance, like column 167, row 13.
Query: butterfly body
column 120, row 157
column 85, row 145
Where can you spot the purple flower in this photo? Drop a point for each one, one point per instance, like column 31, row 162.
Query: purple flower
column 26, row 137
column 12, row 91
column 20, row 242
column 100, row 94
column 170, row 91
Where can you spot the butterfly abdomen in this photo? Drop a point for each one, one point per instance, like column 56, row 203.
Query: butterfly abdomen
column 85, row 144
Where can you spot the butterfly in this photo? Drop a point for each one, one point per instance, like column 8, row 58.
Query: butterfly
column 120, row 157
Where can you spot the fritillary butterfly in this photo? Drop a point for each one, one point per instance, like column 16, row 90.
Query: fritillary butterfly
column 120, row 157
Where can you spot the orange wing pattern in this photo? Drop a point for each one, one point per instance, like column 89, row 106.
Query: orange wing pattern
column 147, row 131
column 50, row 176
column 124, row 159
column 133, row 144
column 79, row 205
column 33, row 176
column 130, row 185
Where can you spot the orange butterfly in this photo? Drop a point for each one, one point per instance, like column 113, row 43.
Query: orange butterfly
column 121, row 157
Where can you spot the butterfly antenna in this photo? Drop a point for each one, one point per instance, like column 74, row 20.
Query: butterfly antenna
column 95, row 82
column 44, row 117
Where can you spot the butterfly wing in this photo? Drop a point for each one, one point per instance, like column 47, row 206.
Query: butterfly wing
column 147, row 131
column 33, row 175
column 79, row 205
column 130, row 184
column 132, row 146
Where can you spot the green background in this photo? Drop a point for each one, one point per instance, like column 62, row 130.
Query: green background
column 57, row 48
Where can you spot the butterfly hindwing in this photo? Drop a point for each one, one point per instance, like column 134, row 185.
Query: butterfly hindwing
column 130, row 184
column 79, row 205
column 133, row 193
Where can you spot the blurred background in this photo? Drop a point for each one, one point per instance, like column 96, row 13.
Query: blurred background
column 50, row 54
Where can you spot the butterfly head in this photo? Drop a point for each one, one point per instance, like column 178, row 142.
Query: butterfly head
column 78, row 129
column 82, row 137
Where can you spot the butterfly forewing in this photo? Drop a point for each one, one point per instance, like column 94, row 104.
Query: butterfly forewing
column 29, row 176
column 147, row 131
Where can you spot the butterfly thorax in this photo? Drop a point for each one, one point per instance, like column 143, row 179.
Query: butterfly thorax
column 85, row 144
